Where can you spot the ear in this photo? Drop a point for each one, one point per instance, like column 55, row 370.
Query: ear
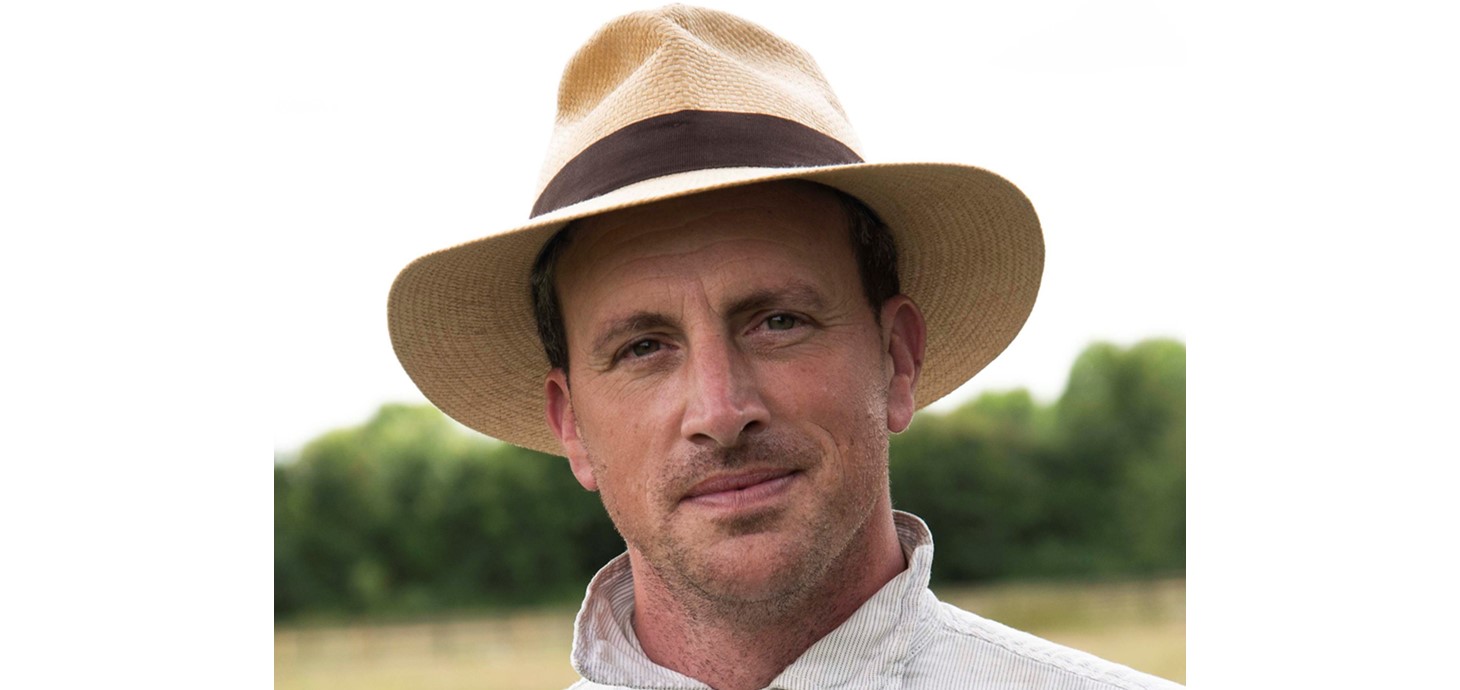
column 565, row 426
column 904, row 335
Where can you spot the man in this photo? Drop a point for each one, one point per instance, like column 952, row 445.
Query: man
column 724, row 313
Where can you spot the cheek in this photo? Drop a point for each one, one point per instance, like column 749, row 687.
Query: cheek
column 846, row 411
column 832, row 389
column 621, row 487
column 617, row 415
column 623, row 436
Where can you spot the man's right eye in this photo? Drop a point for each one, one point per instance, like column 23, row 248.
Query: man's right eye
column 642, row 348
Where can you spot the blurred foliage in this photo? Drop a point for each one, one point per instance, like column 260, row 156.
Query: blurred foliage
column 410, row 515
column 1093, row 485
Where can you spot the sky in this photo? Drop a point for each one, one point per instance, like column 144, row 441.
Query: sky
column 203, row 204
column 405, row 130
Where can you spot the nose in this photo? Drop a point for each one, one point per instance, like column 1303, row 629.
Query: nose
column 724, row 401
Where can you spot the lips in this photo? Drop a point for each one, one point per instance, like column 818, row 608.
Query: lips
column 740, row 487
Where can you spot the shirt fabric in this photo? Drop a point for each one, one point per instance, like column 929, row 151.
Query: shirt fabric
column 902, row 637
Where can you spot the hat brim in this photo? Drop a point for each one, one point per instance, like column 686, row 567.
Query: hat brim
column 970, row 254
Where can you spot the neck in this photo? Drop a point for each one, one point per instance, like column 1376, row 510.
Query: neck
column 747, row 646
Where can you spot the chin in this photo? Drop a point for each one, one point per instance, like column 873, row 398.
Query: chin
column 757, row 568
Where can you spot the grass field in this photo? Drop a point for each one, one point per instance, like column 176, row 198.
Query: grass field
column 1140, row 624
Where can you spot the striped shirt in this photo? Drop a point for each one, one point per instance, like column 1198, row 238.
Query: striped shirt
column 902, row 637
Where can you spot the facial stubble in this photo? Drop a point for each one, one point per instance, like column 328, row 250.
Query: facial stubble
column 804, row 570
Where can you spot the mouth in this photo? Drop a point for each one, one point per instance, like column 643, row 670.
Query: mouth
column 741, row 490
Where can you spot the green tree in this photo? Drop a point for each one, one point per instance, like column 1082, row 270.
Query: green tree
column 973, row 477
column 408, row 514
column 1121, row 460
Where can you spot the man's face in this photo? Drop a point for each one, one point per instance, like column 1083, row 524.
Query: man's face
column 731, row 391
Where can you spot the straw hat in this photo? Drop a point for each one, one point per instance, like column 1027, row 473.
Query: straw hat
column 679, row 100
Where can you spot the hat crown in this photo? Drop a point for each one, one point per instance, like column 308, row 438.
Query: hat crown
column 679, row 58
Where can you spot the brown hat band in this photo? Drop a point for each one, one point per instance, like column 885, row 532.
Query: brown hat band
column 684, row 141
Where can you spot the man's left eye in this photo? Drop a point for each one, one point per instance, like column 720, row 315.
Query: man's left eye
column 782, row 322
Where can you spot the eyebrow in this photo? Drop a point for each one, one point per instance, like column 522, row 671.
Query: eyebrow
column 793, row 294
column 637, row 321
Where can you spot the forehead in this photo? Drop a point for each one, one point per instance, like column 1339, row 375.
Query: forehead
column 723, row 235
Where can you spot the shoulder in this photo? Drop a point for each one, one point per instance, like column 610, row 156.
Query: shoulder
column 964, row 647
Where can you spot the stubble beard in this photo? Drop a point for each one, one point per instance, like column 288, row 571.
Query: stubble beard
column 805, row 570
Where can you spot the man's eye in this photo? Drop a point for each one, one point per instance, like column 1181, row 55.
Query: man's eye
column 782, row 322
column 643, row 348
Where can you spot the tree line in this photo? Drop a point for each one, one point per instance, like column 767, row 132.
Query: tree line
column 409, row 514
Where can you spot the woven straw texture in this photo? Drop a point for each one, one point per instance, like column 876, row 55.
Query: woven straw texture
column 685, row 58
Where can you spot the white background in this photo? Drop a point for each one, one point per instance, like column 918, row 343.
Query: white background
column 202, row 206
